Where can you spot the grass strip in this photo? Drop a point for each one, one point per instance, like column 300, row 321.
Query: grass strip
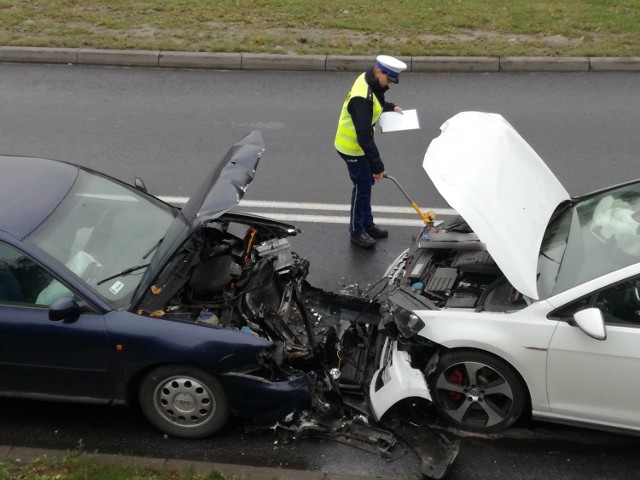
column 357, row 27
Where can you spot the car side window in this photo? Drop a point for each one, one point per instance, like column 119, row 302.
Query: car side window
column 620, row 304
column 22, row 280
column 566, row 313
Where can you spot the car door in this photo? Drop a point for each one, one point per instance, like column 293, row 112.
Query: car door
column 599, row 380
column 40, row 357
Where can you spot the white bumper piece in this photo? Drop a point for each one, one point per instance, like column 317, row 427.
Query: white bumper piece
column 395, row 380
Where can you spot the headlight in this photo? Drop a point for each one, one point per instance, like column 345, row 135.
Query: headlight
column 409, row 324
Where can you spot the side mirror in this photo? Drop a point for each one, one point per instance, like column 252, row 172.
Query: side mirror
column 66, row 309
column 139, row 184
column 591, row 322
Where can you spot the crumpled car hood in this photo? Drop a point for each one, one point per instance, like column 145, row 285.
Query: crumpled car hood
column 225, row 185
column 501, row 187
column 221, row 190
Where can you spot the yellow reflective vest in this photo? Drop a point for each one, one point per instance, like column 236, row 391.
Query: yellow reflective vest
column 346, row 140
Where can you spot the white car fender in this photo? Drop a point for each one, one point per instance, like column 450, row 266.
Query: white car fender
column 515, row 337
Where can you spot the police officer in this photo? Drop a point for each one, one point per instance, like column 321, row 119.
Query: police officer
column 356, row 146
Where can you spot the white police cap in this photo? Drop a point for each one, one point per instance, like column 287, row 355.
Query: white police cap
column 391, row 66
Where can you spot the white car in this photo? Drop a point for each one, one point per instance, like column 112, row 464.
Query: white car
column 528, row 302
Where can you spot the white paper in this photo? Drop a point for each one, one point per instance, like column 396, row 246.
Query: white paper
column 395, row 121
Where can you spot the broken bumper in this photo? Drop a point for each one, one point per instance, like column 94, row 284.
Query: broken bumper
column 255, row 397
column 395, row 380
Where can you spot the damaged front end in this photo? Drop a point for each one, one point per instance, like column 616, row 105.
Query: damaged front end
column 380, row 370
column 447, row 267
column 238, row 272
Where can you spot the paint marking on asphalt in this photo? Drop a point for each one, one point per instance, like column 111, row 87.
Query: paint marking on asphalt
column 286, row 217
column 292, row 211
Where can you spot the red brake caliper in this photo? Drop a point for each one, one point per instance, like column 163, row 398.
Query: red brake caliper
column 455, row 376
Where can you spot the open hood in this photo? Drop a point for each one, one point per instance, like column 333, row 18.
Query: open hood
column 221, row 190
column 501, row 187
column 225, row 185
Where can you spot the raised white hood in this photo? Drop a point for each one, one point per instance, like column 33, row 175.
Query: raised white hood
column 501, row 187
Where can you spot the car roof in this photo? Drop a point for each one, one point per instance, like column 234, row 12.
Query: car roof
column 30, row 189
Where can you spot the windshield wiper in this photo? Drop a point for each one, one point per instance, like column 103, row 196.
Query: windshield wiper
column 157, row 244
column 126, row 271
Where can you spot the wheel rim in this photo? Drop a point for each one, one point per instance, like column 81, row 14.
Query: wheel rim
column 474, row 394
column 184, row 401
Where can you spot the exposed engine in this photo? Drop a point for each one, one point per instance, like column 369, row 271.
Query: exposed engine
column 240, row 273
column 449, row 266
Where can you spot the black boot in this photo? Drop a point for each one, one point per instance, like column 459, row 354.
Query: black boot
column 377, row 232
column 363, row 240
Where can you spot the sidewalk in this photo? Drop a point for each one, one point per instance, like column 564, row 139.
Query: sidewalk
column 24, row 455
column 336, row 63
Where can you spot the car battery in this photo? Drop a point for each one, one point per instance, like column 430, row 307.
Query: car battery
column 279, row 248
column 420, row 261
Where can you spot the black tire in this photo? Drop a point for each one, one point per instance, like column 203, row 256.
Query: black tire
column 477, row 391
column 183, row 401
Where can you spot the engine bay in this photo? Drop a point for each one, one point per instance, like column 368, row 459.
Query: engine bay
column 239, row 272
column 450, row 267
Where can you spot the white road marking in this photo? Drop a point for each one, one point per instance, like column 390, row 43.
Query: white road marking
column 292, row 209
column 285, row 217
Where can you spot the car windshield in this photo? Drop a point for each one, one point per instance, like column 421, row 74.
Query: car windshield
column 101, row 228
column 595, row 236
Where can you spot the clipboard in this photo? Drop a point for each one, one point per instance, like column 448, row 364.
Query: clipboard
column 396, row 122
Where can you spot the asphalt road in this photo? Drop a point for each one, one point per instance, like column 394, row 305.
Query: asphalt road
column 166, row 125
column 529, row 451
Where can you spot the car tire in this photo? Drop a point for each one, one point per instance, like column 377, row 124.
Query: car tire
column 476, row 391
column 183, row 401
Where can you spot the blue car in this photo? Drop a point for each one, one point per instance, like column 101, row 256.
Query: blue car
column 108, row 295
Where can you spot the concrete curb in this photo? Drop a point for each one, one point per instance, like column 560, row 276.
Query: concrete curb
column 344, row 63
column 26, row 455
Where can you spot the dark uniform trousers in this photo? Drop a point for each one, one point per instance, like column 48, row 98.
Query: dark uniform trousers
column 362, row 178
